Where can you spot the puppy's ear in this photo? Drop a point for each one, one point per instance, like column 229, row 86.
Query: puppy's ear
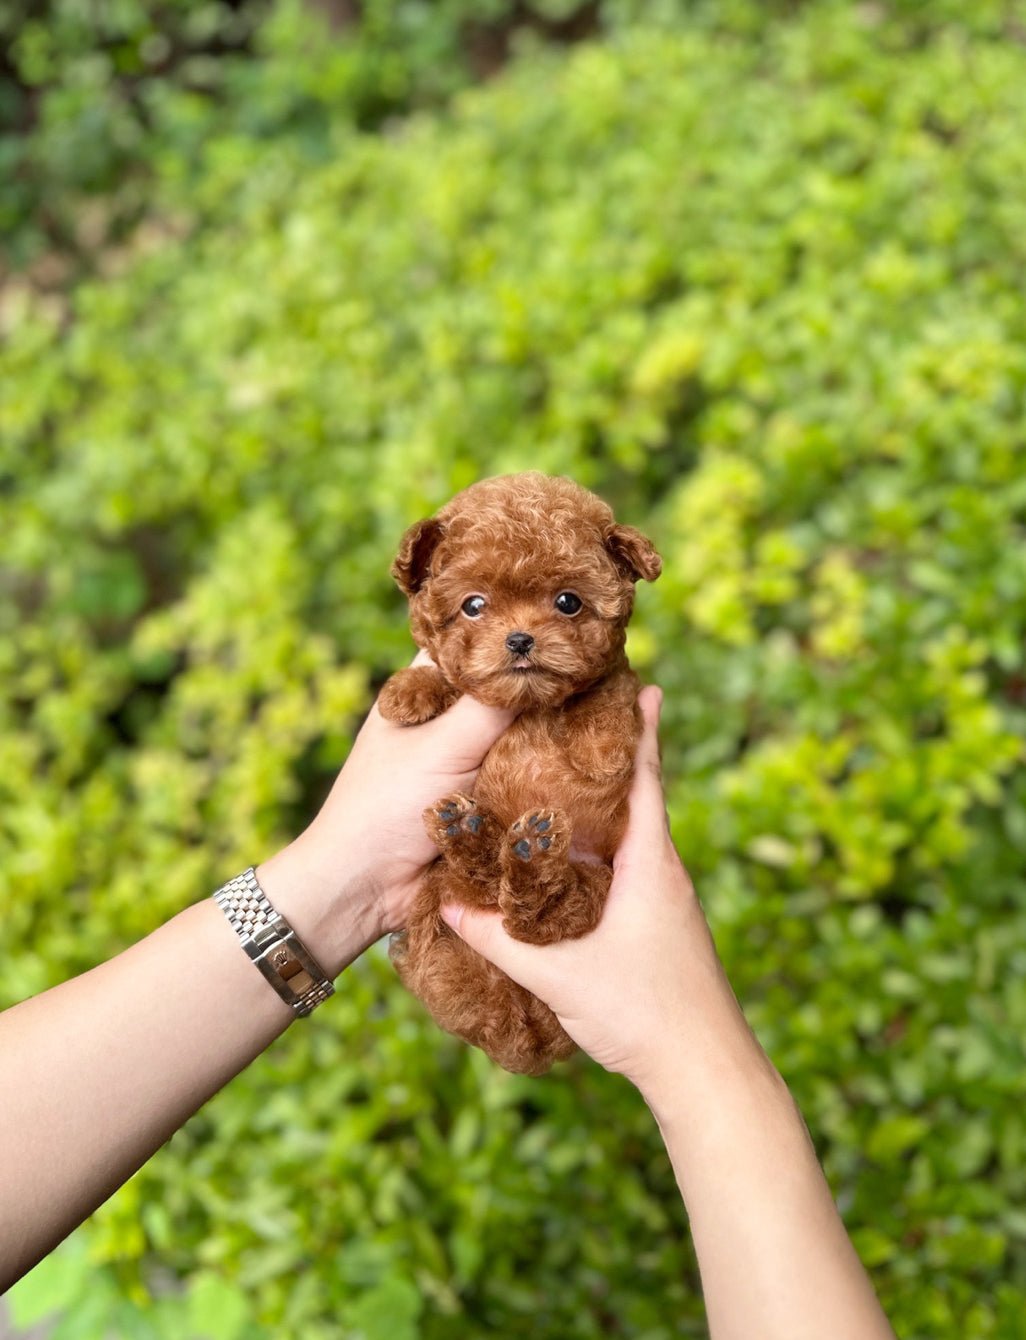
column 633, row 553
column 414, row 556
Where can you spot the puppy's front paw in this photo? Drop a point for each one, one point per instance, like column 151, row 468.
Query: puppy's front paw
column 456, row 819
column 539, row 836
column 415, row 695
column 543, row 895
column 535, row 875
column 467, row 835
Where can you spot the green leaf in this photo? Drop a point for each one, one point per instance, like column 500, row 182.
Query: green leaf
column 894, row 1136
column 217, row 1309
column 387, row 1312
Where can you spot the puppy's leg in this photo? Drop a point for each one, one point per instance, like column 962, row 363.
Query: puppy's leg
column 470, row 839
column 416, row 694
column 544, row 896
column 469, row 996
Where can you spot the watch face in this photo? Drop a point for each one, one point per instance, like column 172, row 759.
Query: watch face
column 285, row 962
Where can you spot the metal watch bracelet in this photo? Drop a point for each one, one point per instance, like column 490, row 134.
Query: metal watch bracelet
column 272, row 944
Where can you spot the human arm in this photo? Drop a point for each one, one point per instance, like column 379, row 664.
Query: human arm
column 101, row 1070
column 645, row 995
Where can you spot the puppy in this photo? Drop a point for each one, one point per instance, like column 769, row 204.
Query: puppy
column 520, row 589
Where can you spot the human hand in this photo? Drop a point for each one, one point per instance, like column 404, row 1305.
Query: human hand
column 632, row 990
column 350, row 877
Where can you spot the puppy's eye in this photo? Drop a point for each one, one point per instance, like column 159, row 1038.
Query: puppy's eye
column 473, row 605
column 568, row 603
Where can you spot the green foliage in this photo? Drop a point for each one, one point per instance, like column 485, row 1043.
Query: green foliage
column 762, row 290
column 99, row 103
column 82, row 88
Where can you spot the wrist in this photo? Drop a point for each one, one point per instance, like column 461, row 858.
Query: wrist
column 694, row 1085
column 706, row 1053
column 333, row 914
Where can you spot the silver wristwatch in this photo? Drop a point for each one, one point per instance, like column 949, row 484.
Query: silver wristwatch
column 272, row 944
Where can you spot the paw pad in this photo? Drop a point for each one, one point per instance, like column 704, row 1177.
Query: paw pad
column 531, row 834
column 454, row 817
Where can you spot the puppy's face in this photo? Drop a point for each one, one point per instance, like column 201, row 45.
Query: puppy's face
column 527, row 636
column 523, row 605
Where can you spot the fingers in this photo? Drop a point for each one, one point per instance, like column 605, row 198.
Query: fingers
column 469, row 723
column 459, row 738
column 647, row 805
column 650, row 700
column 648, row 774
column 468, row 730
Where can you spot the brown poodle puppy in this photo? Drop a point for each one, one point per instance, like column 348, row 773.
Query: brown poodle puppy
column 520, row 589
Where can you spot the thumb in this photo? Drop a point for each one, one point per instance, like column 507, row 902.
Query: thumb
column 647, row 805
column 648, row 773
column 467, row 731
column 468, row 727
column 483, row 931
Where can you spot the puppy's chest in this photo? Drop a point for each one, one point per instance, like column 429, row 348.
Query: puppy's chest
column 529, row 768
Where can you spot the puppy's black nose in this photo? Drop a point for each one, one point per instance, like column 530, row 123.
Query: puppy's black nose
column 519, row 643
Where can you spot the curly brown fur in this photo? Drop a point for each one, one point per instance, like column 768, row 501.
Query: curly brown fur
column 536, row 840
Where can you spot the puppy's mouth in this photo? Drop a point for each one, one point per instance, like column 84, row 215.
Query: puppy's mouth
column 520, row 682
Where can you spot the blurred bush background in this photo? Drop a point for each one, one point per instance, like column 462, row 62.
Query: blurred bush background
column 279, row 277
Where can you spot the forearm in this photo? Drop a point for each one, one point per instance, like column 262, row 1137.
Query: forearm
column 774, row 1256
column 101, row 1070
